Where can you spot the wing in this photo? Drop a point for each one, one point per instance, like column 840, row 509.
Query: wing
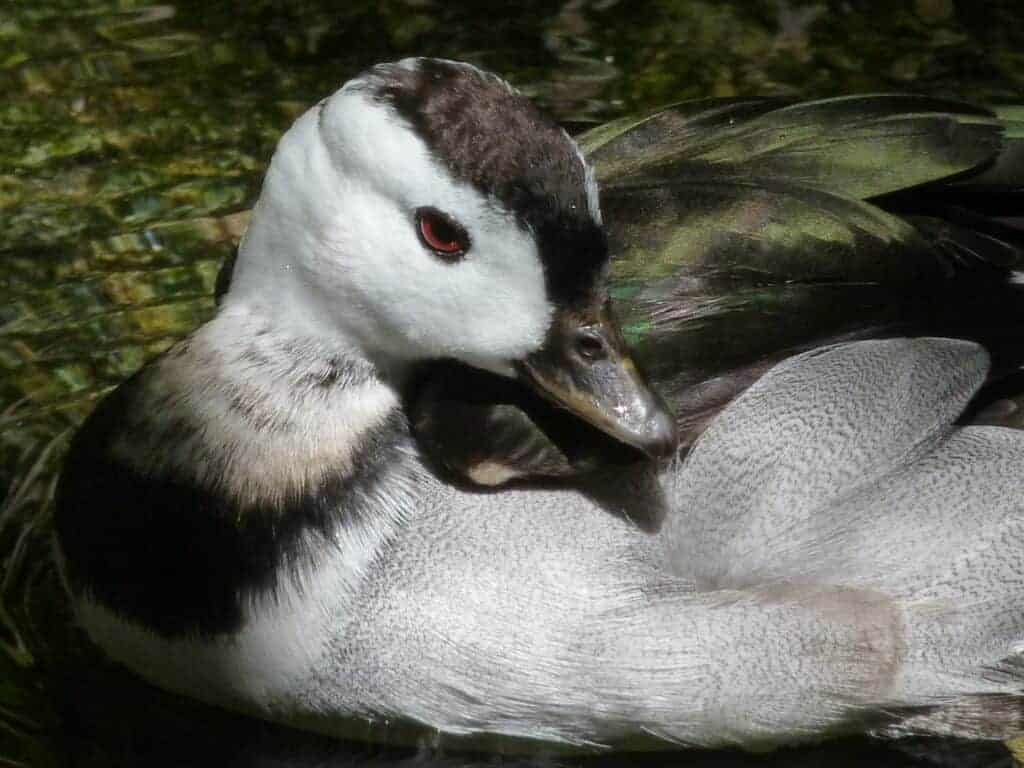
column 744, row 232
column 864, row 146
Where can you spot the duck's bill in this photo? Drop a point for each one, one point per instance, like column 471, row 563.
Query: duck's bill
column 585, row 367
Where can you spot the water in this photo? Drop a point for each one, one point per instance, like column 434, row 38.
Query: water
column 132, row 141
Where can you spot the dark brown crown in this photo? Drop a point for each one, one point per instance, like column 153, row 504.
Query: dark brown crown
column 491, row 137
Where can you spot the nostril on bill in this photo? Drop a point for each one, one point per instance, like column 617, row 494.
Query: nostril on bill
column 591, row 347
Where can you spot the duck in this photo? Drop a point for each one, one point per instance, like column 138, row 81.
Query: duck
column 254, row 520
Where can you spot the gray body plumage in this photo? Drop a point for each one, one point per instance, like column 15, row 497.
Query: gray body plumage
column 835, row 557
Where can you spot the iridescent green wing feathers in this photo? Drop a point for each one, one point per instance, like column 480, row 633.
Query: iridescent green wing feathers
column 745, row 231
column 860, row 146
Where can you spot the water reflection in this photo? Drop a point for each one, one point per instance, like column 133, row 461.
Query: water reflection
column 132, row 141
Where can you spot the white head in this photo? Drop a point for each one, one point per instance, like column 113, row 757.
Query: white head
column 338, row 243
column 426, row 210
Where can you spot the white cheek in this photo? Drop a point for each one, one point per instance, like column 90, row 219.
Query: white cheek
column 490, row 304
column 501, row 284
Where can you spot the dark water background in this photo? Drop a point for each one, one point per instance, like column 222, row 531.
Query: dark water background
column 132, row 141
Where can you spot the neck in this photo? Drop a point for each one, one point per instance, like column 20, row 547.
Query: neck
column 283, row 273
column 288, row 408
column 229, row 465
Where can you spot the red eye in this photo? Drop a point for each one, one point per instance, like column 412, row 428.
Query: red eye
column 442, row 235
